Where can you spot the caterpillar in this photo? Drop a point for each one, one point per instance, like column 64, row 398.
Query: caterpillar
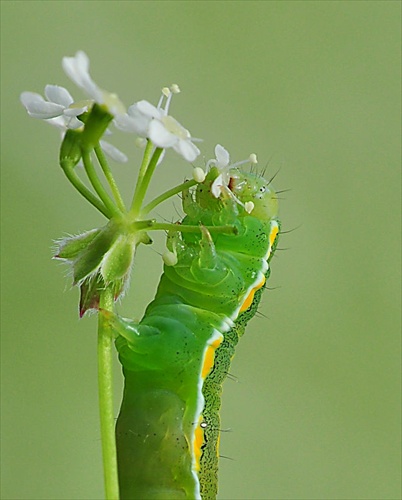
column 177, row 357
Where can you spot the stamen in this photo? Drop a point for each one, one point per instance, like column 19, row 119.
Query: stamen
column 169, row 98
column 161, row 100
column 199, row 174
column 175, row 88
column 166, row 91
column 252, row 158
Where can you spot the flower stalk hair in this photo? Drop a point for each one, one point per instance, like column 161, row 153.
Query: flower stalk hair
column 216, row 262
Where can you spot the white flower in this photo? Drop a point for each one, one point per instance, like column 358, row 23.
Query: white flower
column 222, row 158
column 58, row 104
column 77, row 69
column 222, row 163
column 163, row 130
column 61, row 111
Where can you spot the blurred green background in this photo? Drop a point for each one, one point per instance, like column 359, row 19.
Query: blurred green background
column 313, row 89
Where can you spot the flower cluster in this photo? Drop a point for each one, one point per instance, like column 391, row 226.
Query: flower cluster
column 221, row 183
column 102, row 258
column 153, row 122
column 144, row 119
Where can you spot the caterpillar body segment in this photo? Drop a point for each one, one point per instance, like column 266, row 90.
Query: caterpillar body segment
column 177, row 357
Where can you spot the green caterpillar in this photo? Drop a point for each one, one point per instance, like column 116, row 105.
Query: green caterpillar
column 177, row 357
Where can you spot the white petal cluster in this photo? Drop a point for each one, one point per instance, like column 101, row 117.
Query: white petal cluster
column 77, row 69
column 60, row 110
column 222, row 163
column 154, row 123
column 58, row 107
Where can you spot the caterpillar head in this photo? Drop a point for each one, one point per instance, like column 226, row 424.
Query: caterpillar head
column 249, row 192
column 251, row 187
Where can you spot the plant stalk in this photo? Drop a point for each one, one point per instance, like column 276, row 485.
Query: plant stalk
column 105, row 387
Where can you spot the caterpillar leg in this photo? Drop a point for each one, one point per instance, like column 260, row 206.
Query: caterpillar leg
column 127, row 328
column 208, row 266
column 190, row 206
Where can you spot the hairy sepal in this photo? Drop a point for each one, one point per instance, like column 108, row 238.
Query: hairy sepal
column 99, row 258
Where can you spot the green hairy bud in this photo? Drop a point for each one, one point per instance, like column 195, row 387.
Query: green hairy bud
column 69, row 248
column 99, row 258
column 117, row 261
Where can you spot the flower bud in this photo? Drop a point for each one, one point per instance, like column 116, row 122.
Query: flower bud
column 89, row 260
column 70, row 151
column 99, row 258
column 117, row 261
column 69, row 248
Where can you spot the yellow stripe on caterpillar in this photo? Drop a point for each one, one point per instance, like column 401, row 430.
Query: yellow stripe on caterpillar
column 250, row 297
column 209, row 357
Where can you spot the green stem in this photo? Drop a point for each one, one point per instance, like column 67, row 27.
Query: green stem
column 105, row 383
column 83, row 190
column 97, row 185
column 167, row 194
column 182, row 228
column 141, row 173
column 140, row 195
column 109, row 177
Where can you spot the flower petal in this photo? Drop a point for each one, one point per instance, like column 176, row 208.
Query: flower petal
column 147, row 109
column 216, row 186
column 112, row 102
column 187, row 150
column 75, row 111
column 59, row 122
column 126, row 123
column 113, row 152
column 77, row 69
column 222, row 156
column 160, row 136
column 64, row 122
column 72, row 122
column 58, row 95
column 37, row 107
column 135, row 120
